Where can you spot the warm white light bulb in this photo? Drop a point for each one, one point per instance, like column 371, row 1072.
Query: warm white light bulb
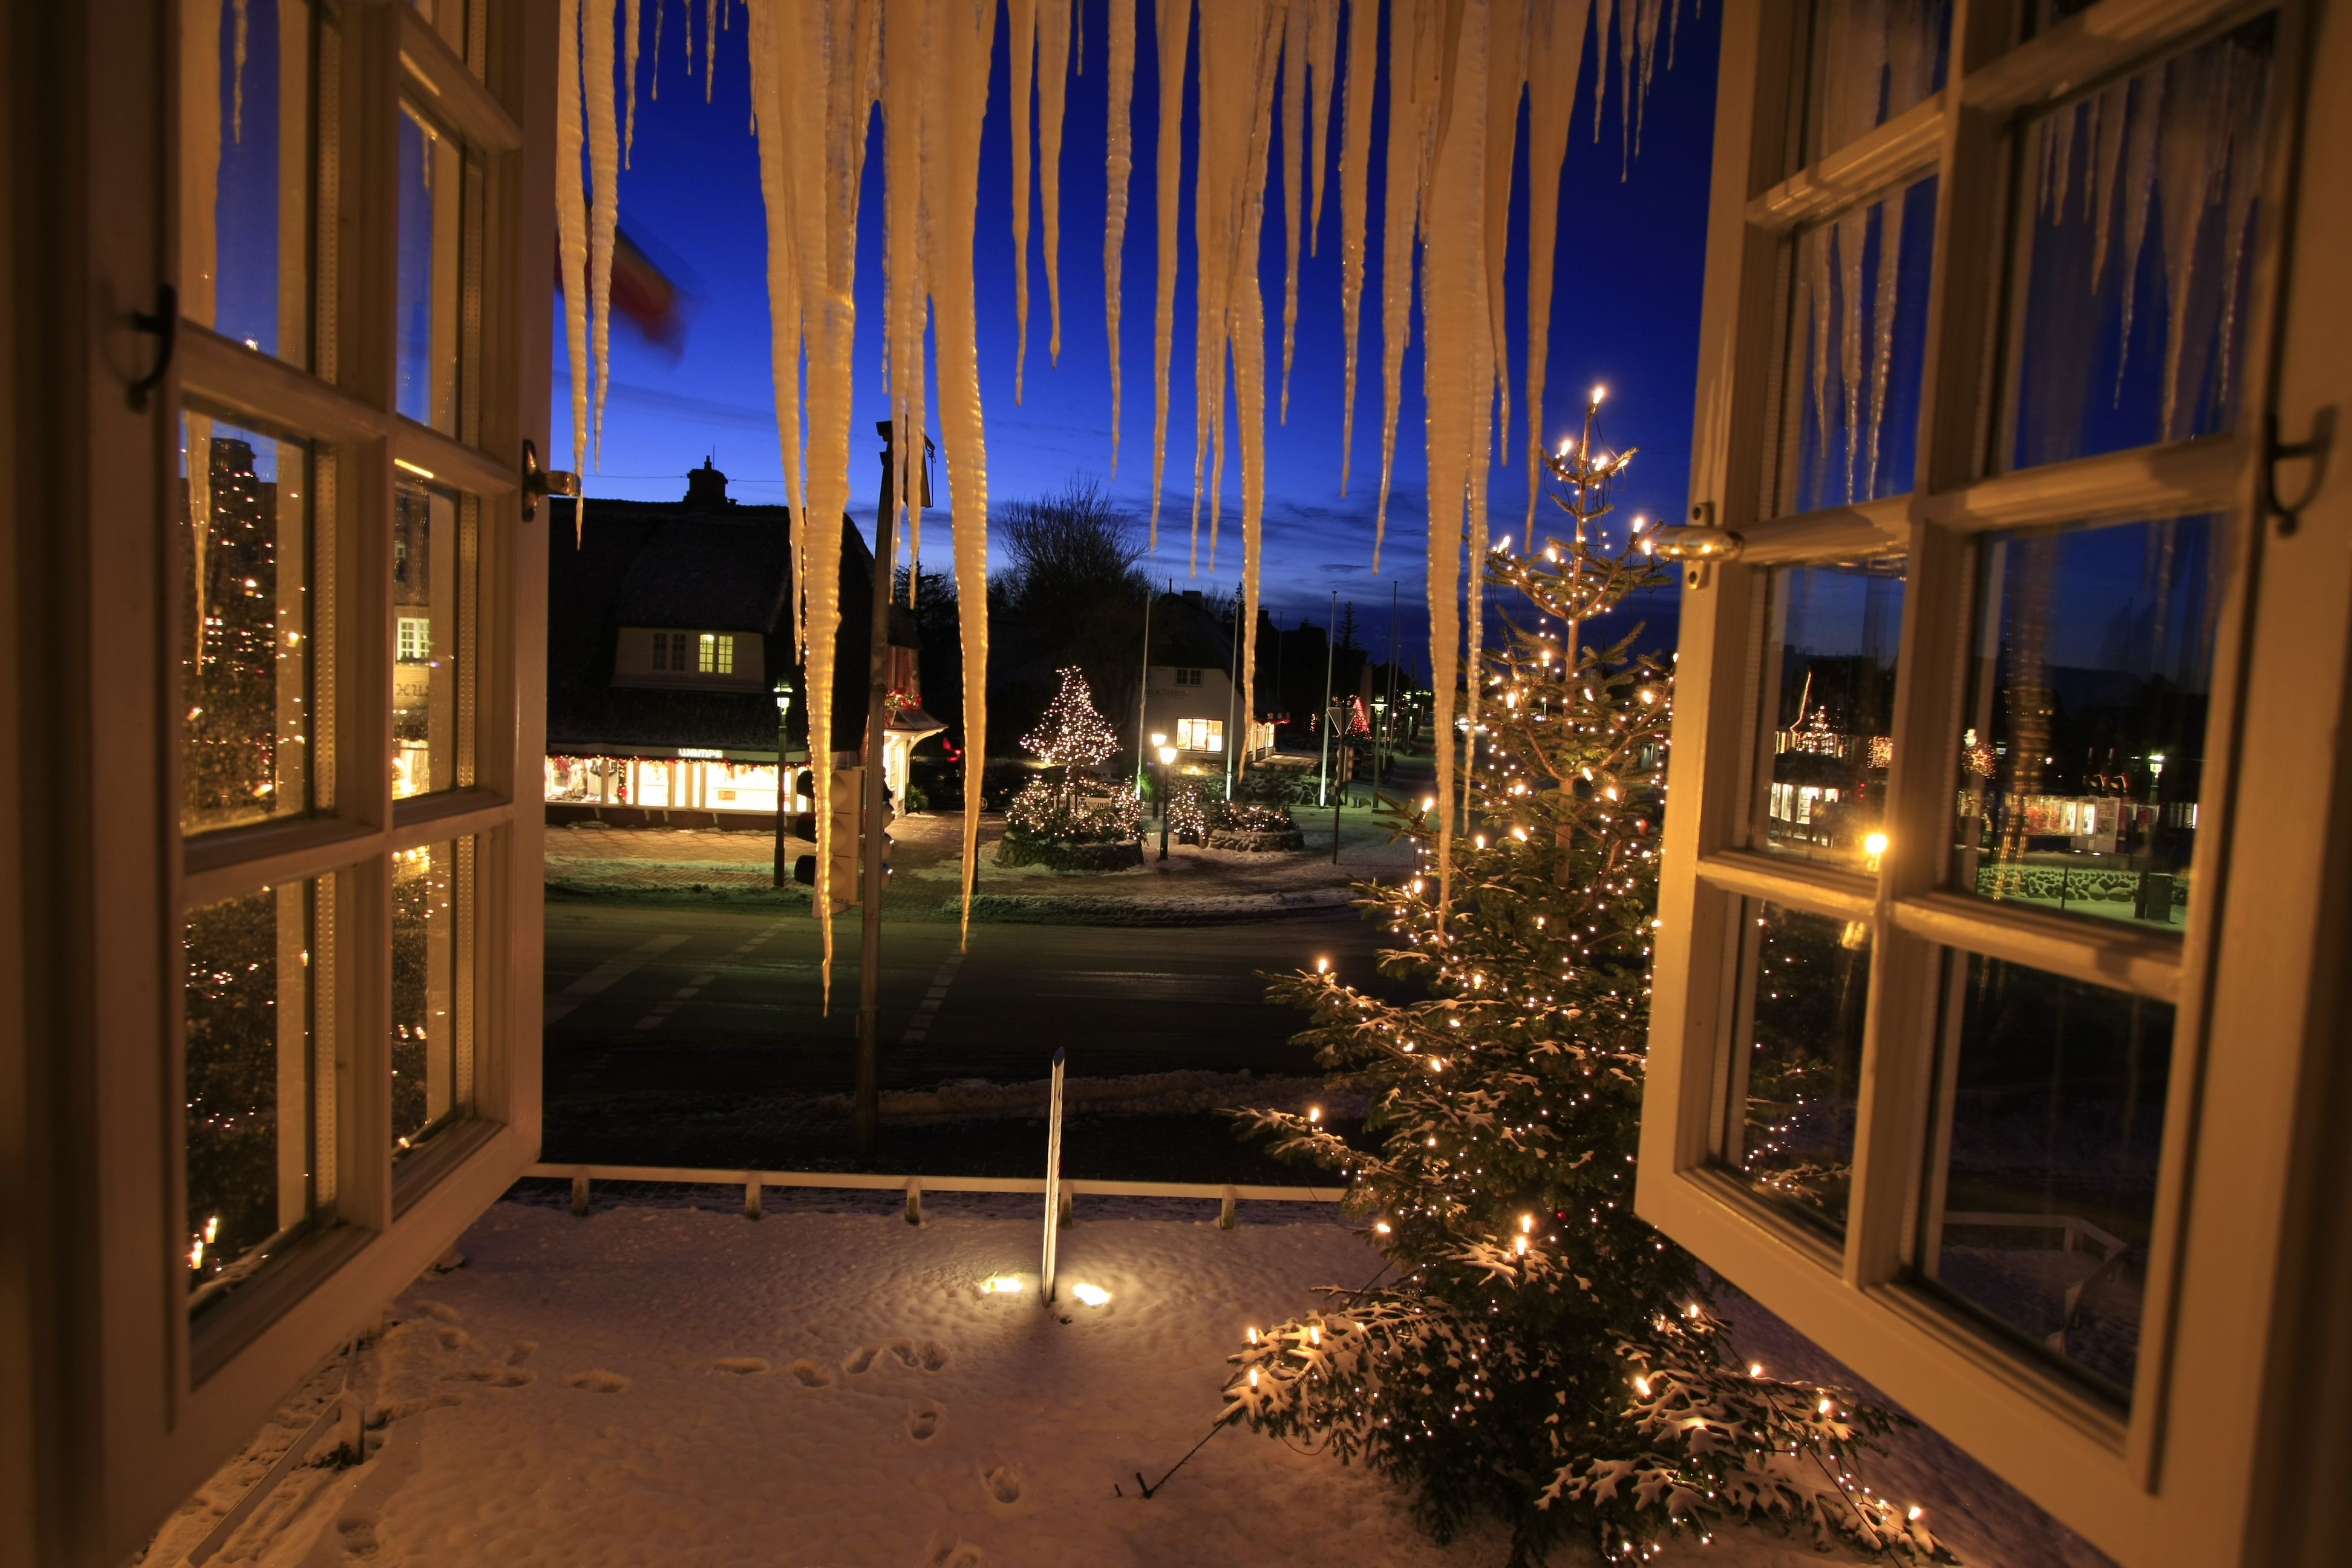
column 1598, row 393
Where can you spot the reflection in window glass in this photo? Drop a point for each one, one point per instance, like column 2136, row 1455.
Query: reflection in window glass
column 245, row 624
column 431, row 990
column 1828, row 690
column 2084, row 752
column 1855, row 343
column 1871, row 59
column 431, row 675
column 1797, row 1075
column 2134, row 255
column 245, row 173
column 432, row 196
column 248, row 1089
column 2052, row 1116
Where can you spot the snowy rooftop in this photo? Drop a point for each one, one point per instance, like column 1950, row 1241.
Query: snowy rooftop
column 665, row 1384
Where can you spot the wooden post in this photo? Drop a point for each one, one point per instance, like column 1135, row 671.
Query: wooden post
column 1225, row 1217
column 751, row 1195
column 914, row 1200
column 1053, row 1179
column 580, row 1194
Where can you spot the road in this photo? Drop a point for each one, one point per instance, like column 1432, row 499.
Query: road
column 683, row 1034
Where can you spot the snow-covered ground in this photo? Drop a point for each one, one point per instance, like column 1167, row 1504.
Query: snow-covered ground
column 831, row 1386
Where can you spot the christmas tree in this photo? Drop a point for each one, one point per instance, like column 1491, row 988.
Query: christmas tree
column 1072, row 733
column 1531, row 1349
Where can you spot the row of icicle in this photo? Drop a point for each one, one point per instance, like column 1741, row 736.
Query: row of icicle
column 1457, row 71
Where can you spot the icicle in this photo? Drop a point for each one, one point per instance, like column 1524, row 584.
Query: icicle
column 2188, row 167
column 1174, row 22
column 200, row 154
column 1355, row 203
column 1024, row 17
column 1852, row 231
column 1455, row 379
column 659, row 6
column 1507, row 76
column 956, row 101
column 2139, row 181
column 236, row 88
column 2061, row 157
column 1322, row 58
column 905, row 291
column 2106, row 182
column 1294, row 169
column 1628, row 74
column 1881, row 330
column 1601, row 11
column 1119, row 166
column 2243, row 183
column 632, row 24
column 1415, row 29
column 710, row 44
column 1554, row 56
column 783, row 300
column 604, row 168
column 572, row 222
column 1247, row 319
column 1053, row 93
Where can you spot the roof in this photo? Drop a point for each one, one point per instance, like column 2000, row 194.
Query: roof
column 1184, row 633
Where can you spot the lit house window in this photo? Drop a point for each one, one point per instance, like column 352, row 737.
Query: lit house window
column 1200, row 734
column 415, row 639
column 718, row 654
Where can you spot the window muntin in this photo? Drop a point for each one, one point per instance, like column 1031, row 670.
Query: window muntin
column 246, row 734
column 246, row 174
column 2090, row 681
column 2050, row 1116
column 433, row 942
column 1855, row 338
column 1200, row 734
column 256, row 1087
column 2131, row 263
column 439, row 201
column 1795, row 1069
column 433, row 586
column 1867, row 61
column 1827, row 682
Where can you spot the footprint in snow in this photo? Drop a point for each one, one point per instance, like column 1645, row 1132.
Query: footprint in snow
column 357, row 1532
column 954, row 1553
column 521, row 1351
column 598, row 1382
column 440, row 1311
column 452, row 1339
column 923, row 1423
column 741, row 1365
column 807, row 1373
column 862, row 1358
column 503, row 1376
column 926, row 1355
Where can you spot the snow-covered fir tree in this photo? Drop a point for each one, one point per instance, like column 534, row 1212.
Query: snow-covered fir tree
column 1532, row 1350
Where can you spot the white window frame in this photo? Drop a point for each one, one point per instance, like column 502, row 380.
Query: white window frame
column 2199, row 1471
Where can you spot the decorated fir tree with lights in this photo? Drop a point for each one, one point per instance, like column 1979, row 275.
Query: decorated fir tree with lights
column 1076, row 822
column 1532, row 1350
column 1072, row 733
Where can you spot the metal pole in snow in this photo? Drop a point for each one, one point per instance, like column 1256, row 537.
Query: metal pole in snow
column 1329, row 632
column 1143, row 692
column 1052, row 1178
column 1234, row 702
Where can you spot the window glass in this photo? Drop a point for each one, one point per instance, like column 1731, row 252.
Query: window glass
column 1795, row 1075
column 1869, row 61
column 1200, row 734
column 249, row 1086
column 448, row 18
column 245, row 624
column 2134, row 254
column 1854, row 345
column 2051, row 1115
column 2090, row 677
column 433, row 175
column 433, row 588
column 431, row 990
column 1827, row 687
column 245, row 173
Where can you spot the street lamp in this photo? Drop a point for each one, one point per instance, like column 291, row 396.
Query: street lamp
column 1380, row 739
column 1166, row 760
column 783, row 774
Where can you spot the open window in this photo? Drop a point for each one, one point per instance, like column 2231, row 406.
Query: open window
column 1990, row 948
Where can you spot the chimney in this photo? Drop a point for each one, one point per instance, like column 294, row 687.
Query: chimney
column 706, row 489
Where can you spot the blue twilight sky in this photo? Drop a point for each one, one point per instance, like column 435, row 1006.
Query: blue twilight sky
column 1625, row 313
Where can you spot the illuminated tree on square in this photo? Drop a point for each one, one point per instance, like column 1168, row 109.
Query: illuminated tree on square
column 1533, row 1350
column 1072, row 733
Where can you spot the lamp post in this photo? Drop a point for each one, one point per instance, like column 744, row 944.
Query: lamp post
column 1380, row 739
column 1168, row 760
column 783, row 776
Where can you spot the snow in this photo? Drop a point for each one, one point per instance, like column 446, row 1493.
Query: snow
column 832, row 1386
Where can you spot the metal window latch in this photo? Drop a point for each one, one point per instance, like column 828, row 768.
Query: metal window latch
column 1697, row 543
column 2274, row 452
column 164, row 323
column 538, row 481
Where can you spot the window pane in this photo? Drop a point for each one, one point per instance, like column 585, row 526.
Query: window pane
column 249, row 1064
column 1853, row 346
column 2053, row 1119
column 245, row 173
column 433, row 588
column 2133, row 251
column 2090, row 676
column 1870, row 60
column 1796, row 1070
column 433, row 177
column 448, row 18
column 431, row 990
column 1831, row 631
column 245, row 619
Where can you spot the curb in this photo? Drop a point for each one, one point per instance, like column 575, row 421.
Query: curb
column 1004, row 909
